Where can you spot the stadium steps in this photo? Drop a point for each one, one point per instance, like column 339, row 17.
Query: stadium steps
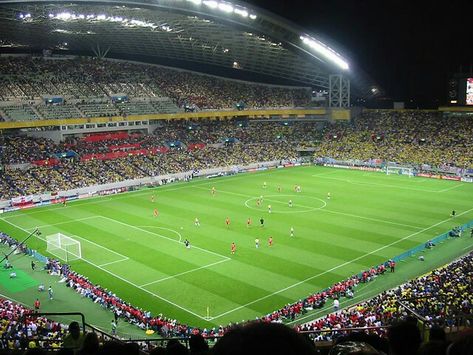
column 38, row 114
column 3, row 115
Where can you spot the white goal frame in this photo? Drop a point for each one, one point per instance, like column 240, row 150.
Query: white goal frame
column 63, row 247
column 399, row 170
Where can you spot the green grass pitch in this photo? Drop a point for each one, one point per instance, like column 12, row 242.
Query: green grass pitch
column 369, row 218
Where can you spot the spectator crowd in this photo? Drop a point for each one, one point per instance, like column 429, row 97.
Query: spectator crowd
column 36, row 165
column 85, row 83
column 405, row 137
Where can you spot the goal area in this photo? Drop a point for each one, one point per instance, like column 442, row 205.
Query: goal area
column 63, row 247
column 399, row 170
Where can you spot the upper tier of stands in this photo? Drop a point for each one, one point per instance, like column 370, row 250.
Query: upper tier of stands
column 79, row 81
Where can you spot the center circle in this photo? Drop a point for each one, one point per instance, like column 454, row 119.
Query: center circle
column 283, row 206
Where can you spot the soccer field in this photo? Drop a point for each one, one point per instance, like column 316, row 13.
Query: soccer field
column 369, row 218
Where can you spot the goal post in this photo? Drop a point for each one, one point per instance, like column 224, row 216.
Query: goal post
column 63, row 247
column 399, row 170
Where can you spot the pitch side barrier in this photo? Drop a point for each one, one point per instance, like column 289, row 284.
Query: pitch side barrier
column 451, row 173
column 454, row 233
column 45, row 199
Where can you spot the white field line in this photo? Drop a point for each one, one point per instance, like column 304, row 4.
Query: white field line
column 183, row 273
column 325, row 210
column 159, row 189
column 100, row 246
column 128, row 282
column 372, row 219
column 114, row 262
column 168, row 229
column 468, row 247
column 338, row 266
column 385, row 185
column 164, row 237
column 452, row 187
column 59, row 223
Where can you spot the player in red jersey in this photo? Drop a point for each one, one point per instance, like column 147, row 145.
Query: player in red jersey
column 270, row 241
column 227, row 222
column 233, row 248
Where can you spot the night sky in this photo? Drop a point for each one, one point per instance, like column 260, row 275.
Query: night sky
column 409, row 48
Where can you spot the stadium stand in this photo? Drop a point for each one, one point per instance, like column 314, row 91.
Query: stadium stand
column 416, row 137
column 422, row 139
column 82, row 81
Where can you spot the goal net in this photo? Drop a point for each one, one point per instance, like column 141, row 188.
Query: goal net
column 399, row 170
column 63, row 247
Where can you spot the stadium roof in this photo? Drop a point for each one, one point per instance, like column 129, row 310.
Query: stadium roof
column 211, row 33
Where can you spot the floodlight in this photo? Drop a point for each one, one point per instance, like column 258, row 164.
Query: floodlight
column 225, row 7
column 326, row 51
column 211, row 3
column 241, row 12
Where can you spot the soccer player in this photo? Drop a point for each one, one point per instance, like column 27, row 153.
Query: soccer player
column 33, row 265
column 37, row 304
column 227, row 222
column 257, row 243
column 64, row 202
column 248, row 222
column 196, row 222
column 50, row 293
column 114, row 327
column 290, row 203
column 279, row 188
column 233, row 248
column 261, row 221
column 152, row 198
column 187, row 244
column 328, row 195
column 265, row 185
column 453, row 213
column 270, row 241
column 291, row 232
column 155, row 212
column 298, row 188
column 258, row 202
column 213, row 191
column 269, row 208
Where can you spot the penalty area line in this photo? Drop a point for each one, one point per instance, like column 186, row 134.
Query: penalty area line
column 129, row 282
column 184, row 273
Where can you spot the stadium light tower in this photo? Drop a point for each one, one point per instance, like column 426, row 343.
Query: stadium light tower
column 339, row 91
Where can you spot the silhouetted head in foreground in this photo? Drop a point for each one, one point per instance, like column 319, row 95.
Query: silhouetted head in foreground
column 263, row 338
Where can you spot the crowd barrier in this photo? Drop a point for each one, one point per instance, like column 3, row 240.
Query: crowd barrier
column 434, row 241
